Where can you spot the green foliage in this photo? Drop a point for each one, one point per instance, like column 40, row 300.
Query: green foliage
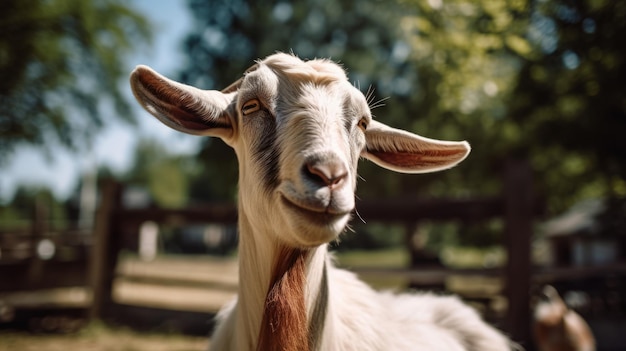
column 372, row 236
column 164, row 175
column 518, row 79
column 389, row 258
column 61, row 61
column 20, row 211
column 11, row 218
column 466, row 55
column 530, row 79
column 168, row 185
column 217, row 173
column 570, row 103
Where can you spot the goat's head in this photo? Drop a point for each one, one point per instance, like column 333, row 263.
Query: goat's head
column 298, row 129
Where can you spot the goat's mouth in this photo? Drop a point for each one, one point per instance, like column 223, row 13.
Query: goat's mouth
column 319, row 216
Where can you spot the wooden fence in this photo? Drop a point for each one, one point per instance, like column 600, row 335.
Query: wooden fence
column 39, row 257
column 517, row 206
column 93, row 260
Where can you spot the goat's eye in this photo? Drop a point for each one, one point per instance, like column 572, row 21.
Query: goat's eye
column 363, row 124
column 250, row 106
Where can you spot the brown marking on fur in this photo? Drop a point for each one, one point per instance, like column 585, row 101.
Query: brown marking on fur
column 284, row 325
column 185, row 110
column 429, row 158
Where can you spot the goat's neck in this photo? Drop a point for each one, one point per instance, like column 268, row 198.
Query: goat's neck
column 270, row 272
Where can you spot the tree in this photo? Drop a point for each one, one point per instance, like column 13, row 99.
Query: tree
column 467, row 56
column 570, row 101
column 20, row 211
column 165, row 176
column 61, row 62
column 530, row 79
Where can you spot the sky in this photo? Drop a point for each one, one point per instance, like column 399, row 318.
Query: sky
column 114, row 146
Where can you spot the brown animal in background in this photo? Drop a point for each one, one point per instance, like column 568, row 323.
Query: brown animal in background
column 559, row 328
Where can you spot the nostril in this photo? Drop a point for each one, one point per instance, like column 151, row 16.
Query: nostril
column 318, row 174
column 329, row 174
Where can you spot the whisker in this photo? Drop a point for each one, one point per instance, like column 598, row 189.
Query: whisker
column 348, row 228
column 359, row 215
column 379, row 103
column 369, row 95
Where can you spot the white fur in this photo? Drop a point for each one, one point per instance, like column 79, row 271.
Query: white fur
column 318, row 124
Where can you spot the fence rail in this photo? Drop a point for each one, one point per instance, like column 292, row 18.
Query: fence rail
column 116, row 226
column 517, row 206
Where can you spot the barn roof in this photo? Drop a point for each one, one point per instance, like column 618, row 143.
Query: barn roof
column 580, row 219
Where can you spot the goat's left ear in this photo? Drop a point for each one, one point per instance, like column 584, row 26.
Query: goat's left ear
column 405, row 152
column 183, row 107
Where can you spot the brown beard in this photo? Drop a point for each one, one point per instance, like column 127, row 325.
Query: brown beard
column 284, row 324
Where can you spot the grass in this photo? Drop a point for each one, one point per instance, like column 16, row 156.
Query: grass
column 99, row 337
column 398, row 257
column 454, row 257
column 388, row 258
column 466, row 257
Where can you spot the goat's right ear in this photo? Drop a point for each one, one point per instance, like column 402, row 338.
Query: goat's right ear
column 183, row 107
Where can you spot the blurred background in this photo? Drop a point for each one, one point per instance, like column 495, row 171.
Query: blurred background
column 113, row 227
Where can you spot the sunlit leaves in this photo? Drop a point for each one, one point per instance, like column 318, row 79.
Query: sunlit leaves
column 164, row 175
column 568, row 101
column 61, row 62
column 519, row 45
column 520, row 78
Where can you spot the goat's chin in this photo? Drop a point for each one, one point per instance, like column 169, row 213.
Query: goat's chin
column 307, row 235
column 310, row 228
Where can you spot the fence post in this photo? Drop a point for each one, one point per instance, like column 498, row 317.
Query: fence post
column 518, row 202
column 104, row 250
column 38, row 232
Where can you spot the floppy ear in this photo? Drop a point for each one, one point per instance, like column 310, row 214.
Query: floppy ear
column 405, row 152
column 183, row 107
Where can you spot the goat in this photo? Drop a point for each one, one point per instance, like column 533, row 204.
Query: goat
column 298, row 129
column 559, row 328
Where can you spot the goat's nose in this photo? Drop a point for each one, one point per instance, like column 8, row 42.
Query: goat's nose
column 328, row 173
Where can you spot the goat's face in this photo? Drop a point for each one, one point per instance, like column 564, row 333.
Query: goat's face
column 298, row 129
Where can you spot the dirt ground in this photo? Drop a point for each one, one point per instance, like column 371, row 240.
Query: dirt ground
column 208, row 284
column 100, row 338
